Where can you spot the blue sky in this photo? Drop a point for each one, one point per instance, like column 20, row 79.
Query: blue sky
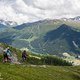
column 32, row 10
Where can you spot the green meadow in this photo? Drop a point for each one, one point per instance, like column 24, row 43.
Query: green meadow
column 38, row 72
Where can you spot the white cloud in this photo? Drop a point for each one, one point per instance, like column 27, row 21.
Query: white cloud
column 32, row 10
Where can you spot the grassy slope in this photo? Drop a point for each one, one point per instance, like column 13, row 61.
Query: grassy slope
column 23, row 72
column 27, row 72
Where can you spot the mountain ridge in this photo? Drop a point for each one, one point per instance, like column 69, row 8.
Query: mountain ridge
column 38, row 37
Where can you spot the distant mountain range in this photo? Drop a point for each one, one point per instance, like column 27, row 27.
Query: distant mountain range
column 8, row 23
column 46, row 36
column 76, row 18
column 72, row 19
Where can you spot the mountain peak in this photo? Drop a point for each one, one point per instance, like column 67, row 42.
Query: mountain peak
column 8, row 23
column 76, row 18
column 65, row 27
column 62, row 31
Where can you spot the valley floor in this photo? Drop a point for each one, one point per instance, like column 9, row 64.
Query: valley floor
column 37, row 72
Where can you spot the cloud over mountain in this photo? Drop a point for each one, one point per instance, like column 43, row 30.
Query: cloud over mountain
column 33, row 10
